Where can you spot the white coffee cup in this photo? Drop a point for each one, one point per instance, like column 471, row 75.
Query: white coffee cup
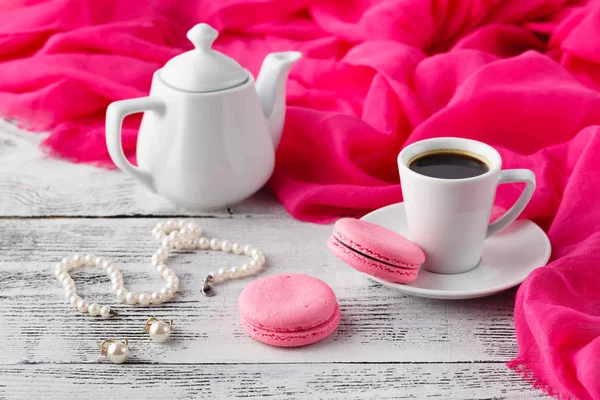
column 449, row 218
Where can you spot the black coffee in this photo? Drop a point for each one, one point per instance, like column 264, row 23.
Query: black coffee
column 448, row 165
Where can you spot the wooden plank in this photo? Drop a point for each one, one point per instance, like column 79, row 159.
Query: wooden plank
column 323, row 381
column 32, row 184
column 378, row 324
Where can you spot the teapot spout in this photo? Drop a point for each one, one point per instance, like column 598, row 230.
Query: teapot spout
column 270, row 85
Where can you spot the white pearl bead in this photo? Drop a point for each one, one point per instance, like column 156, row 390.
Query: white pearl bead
column 67, row 281
column 215, row 276
column 159, row 237
column 237, row 248
column 167, row 272
column 160, row 268
column 74, row 299
column 117, row 286
column 162, row 253
column 166, row 249
column 62, row 276
column 174, row 286
column 226, row 246
column 256, row 252
column 222, row 272
column 233, row 272
column 70, row 291
column 89, row 260
column 156, row 298
column 181, row 223
column 82, row 305
column 191, row 244
column 170, row 224
column 156, row 260
column 166, row 293
column 106, row 265
column 173, row 235
column 145, row 299
column 159, row 332
column 215, row 244
column 261, row 259
column 255, row 265
column 131, row 298
column 195, row 229
column 68, row 295
column 68, row 284
column 67, row 262
column 178, row 243
column 94, row 309
column 160, row 227
column 166, row 243
column 98, row 261
column 115, row 274
column 117, row 352
column 121, row 295
column 60, row 267
column 110, row 269
column 245, row 269
column 185, row 233
column 77, row 260
column 204, row 243
column 105, row 312
column 248, row 249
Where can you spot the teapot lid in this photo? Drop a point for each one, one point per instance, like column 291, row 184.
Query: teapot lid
column 203, row 69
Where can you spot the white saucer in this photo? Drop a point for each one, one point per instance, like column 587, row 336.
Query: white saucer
column 508, row 258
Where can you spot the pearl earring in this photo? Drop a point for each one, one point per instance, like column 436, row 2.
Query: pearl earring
column 116, row 350
column 159, row 331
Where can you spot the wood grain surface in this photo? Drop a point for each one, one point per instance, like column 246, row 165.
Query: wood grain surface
column 388, row 345
column 251, row 381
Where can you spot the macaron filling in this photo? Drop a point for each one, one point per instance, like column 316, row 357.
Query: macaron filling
column 299, row 333
column 380, row 259
column 374, row 264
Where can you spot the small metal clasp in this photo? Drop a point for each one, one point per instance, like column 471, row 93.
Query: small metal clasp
column 207, row 290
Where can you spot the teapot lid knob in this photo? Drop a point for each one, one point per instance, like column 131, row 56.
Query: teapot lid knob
column 202, row 36
column 203, row 69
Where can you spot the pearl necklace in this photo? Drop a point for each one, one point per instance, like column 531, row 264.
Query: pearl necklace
column 172, row 235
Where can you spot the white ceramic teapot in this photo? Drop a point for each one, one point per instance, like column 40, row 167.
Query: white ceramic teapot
column 208, row 136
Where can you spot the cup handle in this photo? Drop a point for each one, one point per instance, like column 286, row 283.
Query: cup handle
column 115, row 113
column 510, row 176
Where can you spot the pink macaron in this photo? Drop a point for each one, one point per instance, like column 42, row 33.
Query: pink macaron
column 289, row 310
column 375, row 250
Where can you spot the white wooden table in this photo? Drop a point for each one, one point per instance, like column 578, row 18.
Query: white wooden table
column 388, row 345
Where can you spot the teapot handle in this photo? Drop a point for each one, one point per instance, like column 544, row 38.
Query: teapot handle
column 115, row 113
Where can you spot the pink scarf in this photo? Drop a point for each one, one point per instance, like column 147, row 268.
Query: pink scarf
column 523, row 76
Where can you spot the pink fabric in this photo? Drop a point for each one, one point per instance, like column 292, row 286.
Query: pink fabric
column 521, row 75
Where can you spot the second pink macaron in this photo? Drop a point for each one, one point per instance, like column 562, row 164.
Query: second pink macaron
column 375, row 250
column 289, row 310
